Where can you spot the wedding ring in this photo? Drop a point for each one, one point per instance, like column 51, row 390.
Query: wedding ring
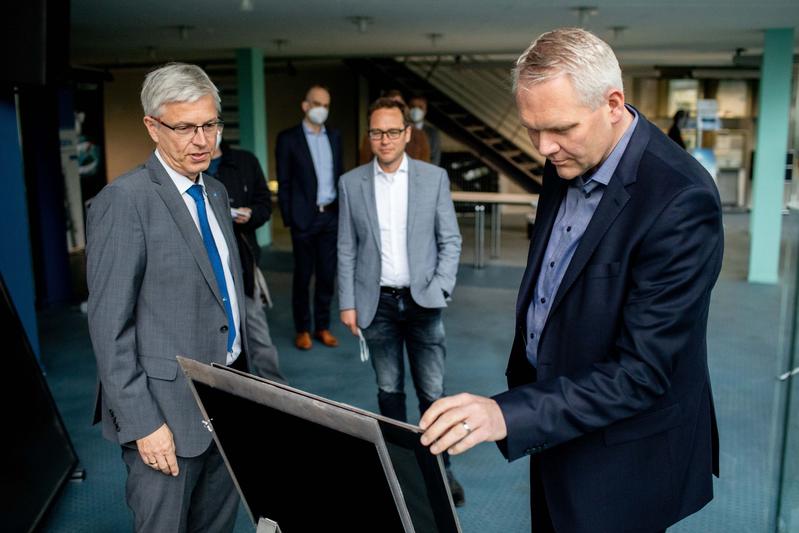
column 466, row 427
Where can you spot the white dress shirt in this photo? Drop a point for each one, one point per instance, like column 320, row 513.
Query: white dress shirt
column 391, row 196
column 183, row 183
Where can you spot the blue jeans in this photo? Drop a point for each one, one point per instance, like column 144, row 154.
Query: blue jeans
column 400, row 323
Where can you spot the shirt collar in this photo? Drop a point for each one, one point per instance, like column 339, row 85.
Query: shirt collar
column 181, row 182
column 308, row 131
column 403, row 168
column 608, row 167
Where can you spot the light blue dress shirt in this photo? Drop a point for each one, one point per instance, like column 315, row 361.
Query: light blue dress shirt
column 322, row 156
column 574, row 215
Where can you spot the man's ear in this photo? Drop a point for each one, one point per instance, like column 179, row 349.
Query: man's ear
column 615, row 103
column 152, row 128
column 305, row 106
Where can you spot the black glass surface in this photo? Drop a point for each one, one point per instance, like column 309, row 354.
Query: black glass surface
column 304, row 476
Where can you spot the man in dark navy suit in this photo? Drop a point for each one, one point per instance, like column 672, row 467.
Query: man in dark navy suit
column 609, row 387
column 308, row 167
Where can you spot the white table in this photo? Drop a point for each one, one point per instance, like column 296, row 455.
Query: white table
column 494, row 199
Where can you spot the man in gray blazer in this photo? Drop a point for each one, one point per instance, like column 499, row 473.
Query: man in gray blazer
column 398, row 250
column 165, row 280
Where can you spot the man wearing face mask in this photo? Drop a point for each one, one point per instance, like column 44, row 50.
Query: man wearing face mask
column 250, row 207
column 418, row 111
column 308, row 159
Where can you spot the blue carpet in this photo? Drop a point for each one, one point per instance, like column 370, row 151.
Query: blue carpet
column 746, row 322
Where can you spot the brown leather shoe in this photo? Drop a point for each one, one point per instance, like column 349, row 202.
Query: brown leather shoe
column 303, row 340
column 326, row 337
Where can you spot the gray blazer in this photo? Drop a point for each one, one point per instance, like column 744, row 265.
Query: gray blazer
column 153, row 296
column 434, row 240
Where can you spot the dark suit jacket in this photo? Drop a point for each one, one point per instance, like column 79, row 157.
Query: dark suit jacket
column 620, row 407
column 296, row 175
column 241, row 174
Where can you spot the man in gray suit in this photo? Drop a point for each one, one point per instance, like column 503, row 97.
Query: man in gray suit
column 398, row 250
column 165, row 280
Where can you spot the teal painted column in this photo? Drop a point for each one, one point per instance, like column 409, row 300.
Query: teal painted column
column 252, row 115
column 770, row 148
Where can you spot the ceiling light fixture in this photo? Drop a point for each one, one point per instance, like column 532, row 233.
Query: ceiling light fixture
column 361, row 22
column 583, row 12
column 246, row 5
column 434, row 38
column 617, row 32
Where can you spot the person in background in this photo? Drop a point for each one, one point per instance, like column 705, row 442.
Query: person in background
column 609, row 390
column 417, row 148
column 251, row 207
column 677, row 123
column 309, row 163
column 398, row 253
column 418, row 112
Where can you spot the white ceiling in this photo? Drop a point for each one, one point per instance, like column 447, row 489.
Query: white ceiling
column 703, row 32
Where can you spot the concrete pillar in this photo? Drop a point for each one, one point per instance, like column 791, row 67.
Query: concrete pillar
column 770, row 148
column 252, row 115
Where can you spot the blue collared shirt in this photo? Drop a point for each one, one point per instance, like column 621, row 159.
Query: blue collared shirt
column 574, row 215
column 322, row 156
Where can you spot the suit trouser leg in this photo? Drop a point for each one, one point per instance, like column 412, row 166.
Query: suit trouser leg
column 214, row 501
column 325, row 268
column 304, row 258
column 165, row 504
column 539, row 509
column 263, row 353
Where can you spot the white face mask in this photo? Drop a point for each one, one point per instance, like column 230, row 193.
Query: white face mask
column 317, row 115
column 417, row 114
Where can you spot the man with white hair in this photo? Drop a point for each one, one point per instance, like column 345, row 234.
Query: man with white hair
column 609, row 386
column 165, row 280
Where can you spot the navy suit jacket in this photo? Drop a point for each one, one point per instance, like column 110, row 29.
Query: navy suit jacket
column 619, row 408
column 296, row 175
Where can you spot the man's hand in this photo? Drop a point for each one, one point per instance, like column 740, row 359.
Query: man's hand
column 349, row 317
column 157, row 450
column 244, row 215
column 457, row 423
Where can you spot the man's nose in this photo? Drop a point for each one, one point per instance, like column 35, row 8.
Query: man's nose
column 547, row 145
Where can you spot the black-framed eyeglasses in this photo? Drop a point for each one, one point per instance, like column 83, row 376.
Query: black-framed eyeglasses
column 393, row 134
column 188, row 131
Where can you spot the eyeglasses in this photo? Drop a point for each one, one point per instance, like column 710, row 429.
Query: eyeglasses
column 187, row 131
column 392, row 134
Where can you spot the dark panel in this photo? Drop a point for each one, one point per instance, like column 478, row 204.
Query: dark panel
column 38, row 455
column 35, row 36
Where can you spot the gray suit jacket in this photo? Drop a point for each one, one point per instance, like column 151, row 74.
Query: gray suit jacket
column 434, row 241
column 153, row 296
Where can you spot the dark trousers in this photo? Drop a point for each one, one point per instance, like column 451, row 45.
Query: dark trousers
column 201, row 498
column 400, row 324
column 314, row 255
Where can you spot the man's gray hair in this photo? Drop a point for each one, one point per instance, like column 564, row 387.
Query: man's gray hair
column 585, row 58
column 176, row 82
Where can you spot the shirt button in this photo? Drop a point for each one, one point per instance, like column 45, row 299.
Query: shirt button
column 223, row 329
column 552, row 264
column 532, row 335
column 543, row 300
column 568, row 229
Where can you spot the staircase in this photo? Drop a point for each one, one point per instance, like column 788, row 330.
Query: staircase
column 498, row 150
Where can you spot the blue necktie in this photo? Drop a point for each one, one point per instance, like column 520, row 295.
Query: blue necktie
column 196, row 192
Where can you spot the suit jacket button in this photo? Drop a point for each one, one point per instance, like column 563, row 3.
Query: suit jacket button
column 223, row 329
